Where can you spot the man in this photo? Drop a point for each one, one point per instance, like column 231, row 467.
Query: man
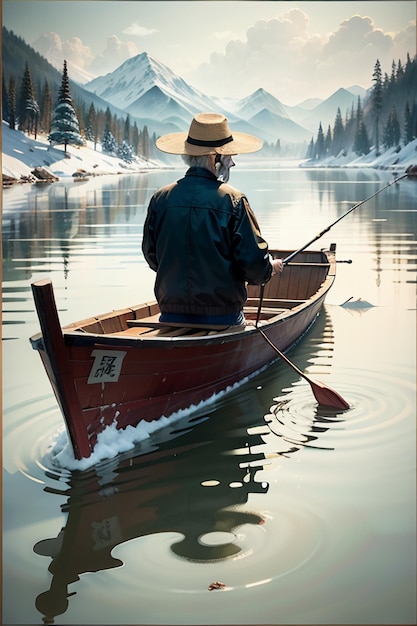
column 200, row 235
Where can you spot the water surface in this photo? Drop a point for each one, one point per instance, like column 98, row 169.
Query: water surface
column 303, row 516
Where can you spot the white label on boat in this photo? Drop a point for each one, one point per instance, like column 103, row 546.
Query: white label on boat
column 106, row 367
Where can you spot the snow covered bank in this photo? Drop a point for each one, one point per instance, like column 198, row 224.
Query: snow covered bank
column 391, row 159
column 22, row 154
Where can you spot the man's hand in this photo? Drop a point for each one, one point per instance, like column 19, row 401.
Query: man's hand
column 277, row 266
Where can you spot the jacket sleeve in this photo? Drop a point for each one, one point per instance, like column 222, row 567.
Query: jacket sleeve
column 148, row 239
column 251, row 254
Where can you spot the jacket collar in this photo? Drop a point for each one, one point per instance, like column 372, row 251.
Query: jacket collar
column 200, row 171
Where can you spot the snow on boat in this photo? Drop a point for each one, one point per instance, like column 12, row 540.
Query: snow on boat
column 125, row 366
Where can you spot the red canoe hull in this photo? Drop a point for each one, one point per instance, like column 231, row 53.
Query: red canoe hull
column 119, row 378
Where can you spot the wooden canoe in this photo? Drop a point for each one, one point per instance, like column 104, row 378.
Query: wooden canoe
column 125, row 366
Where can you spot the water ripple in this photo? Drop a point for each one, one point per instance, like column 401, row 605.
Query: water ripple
column 29, row 437
column 380, row 413
column 283, row 541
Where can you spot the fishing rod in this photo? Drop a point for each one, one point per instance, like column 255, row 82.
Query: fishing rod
column 352, row 208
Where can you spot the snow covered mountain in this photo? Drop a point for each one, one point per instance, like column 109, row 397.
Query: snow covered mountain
column 151, row 92
column 281, row 128
column 144, row 87
column 271, row 118
column 326, row 111
column 259, row 101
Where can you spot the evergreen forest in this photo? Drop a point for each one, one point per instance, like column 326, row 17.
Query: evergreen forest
column 387, row 118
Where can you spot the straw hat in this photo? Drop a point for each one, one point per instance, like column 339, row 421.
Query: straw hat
column 209, row 134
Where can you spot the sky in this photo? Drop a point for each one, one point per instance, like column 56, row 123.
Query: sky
column 293, row 50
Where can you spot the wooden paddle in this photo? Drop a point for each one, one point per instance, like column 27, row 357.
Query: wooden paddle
column 325, row 395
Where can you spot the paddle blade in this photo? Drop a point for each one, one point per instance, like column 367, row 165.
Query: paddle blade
column 326, row 396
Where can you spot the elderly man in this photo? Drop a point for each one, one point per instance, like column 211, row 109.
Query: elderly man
column 200, row 235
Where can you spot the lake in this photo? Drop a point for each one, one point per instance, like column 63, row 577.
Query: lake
column 259, row 508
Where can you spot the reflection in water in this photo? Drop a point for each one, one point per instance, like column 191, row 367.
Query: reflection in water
column 54, row 221
column 195, row 488
column 189, row 489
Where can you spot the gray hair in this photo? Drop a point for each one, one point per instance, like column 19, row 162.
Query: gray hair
column 198, row 161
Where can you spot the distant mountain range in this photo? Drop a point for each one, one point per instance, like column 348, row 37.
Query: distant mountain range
column 149, row 90
column 155, row 96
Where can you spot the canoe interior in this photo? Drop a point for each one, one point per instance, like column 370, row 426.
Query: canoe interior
column 299, row 281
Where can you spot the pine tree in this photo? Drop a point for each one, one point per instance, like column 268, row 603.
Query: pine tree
column 145, row 143
column 46, row 113
column 109, row 143
column 364, row 139
column 310, row 150
column 408, row 65
column 91, row 125
column 338, row 133
column 359, row 120
column 376, row 97
column 361, row 141
column 393, row 72
column 107, row 119
column 27, row 107
column 65, row 127
column 392, row 132
column 319, row 150
column 33, row 113
column 12, row 103
column 126, row 135
column 400, row 70
column 328, row 141
column 414, row 121
column 118, row 127
column 5, row 101
column 135, row 138
column 407, row 125
column 125, row 152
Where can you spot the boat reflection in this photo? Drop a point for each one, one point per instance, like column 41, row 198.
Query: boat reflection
column 189, row 489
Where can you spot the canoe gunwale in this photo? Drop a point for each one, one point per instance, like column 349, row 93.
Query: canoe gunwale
column 80, row 338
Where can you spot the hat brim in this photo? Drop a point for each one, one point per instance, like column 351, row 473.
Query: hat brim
column 176, row 143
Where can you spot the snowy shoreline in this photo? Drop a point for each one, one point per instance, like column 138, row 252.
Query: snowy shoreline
column 21, row 155
column 392, row 159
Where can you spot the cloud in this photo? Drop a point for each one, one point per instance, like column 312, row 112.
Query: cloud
column 73, row 51
column 223, row 35
column 137, row 30
column 283, row 57
column 405, row 40
column 52, row 47
column 115, row 53
column 79, row 53
column 356, row 34
column 82, row 65
column 79, row 56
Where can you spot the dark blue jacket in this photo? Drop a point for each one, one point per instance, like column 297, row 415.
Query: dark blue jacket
column 203, row 240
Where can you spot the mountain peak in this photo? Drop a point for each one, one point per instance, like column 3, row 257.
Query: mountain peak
column 259, row 100
column 134, row 86
column 133, row 79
